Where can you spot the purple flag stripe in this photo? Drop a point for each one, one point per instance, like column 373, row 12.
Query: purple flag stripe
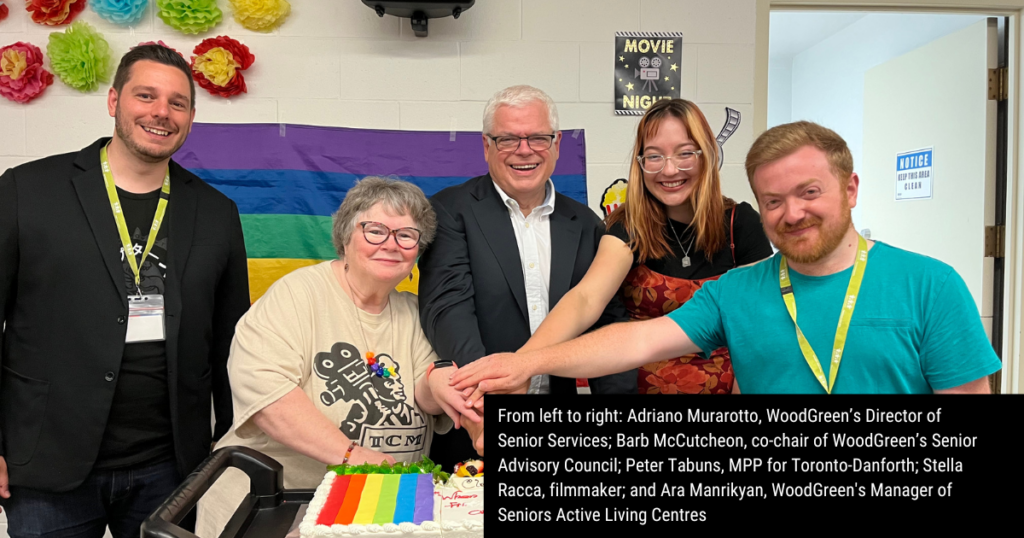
column 350, row 151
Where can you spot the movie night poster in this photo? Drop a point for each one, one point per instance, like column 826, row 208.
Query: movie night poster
column 648, row 68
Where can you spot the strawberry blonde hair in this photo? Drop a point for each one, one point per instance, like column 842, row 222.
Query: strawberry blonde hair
column 644, row 216
column 784, row 140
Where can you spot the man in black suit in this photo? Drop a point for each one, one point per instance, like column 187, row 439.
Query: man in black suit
column 508, row 247
column 122, row 276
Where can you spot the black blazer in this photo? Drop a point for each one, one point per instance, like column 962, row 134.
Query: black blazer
column 472, row 292
column 62, row 298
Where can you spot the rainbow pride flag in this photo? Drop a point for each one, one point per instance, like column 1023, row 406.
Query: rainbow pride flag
column 288, row 179
column 378, row 499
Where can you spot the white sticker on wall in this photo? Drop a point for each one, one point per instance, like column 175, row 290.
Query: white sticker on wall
column 914, row 175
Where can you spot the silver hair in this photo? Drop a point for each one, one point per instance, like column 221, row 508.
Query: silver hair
column 519, row 96
column 398, row 198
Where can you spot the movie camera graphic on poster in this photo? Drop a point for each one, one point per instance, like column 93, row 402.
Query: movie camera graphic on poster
column 647, row 69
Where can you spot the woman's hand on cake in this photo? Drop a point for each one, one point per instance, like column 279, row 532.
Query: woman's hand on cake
column 498, row 373
column 362, row 455
column 452, row 401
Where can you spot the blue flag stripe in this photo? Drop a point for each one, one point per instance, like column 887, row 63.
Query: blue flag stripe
column 299, row 192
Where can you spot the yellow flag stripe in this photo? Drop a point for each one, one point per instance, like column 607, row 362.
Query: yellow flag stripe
column 265, row 271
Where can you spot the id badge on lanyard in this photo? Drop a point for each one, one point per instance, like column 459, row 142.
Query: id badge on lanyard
column 145, row 312
column 145, row 319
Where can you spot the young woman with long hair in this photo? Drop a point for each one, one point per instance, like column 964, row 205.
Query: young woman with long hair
column 674, row 232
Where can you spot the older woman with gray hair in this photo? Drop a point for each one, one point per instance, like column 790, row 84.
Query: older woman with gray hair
column 330, row 365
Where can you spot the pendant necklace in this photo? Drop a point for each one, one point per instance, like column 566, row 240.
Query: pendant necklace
column 686, row 251
column 374, row 361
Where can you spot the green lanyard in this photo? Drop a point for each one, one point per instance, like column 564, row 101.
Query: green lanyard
column 122, row 227
column 844, row 316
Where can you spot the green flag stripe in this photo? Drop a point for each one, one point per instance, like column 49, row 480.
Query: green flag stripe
column 304, row 237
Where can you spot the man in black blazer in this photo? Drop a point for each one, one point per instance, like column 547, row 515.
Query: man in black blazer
column 105, row 397
column 508, row 247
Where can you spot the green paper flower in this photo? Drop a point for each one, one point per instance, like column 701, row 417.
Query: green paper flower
column 189, row 16
column 80, row 57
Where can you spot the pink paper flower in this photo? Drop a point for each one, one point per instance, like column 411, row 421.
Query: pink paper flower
column 22, row 77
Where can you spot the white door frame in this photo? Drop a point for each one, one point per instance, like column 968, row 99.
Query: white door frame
column 1013, row 298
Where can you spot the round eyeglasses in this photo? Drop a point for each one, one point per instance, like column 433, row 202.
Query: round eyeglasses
column 654, row 163
column 512, row 143
column 377, row 233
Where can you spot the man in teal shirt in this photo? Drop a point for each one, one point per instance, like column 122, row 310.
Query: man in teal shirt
column 895, row 321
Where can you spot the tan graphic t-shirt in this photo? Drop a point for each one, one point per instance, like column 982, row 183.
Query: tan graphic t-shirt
column 304, row 332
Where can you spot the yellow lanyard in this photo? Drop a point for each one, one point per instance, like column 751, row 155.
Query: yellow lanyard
column 844, row 316
column 122, row 227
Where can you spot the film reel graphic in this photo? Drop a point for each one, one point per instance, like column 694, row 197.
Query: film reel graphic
column 732, row 123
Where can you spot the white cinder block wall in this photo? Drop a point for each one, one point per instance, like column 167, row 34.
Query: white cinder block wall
column 334, row 62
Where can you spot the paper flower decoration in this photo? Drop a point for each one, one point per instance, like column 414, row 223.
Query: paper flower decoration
column 189, row 16
column 54, row 12
column 126, row 12
column 3, row 11
column 260, row 15
column 218, row 64
column 80, row 57
column 22, row 77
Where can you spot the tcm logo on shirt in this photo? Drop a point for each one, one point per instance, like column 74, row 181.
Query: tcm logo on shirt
column 394, row 439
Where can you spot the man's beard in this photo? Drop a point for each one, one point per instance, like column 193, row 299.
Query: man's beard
column 124, row 130
column 830, row 236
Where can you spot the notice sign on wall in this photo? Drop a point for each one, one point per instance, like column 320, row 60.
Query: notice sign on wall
column 648, row 68
column 914, row 174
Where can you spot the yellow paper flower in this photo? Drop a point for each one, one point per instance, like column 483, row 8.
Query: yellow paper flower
column 13, row 63
column 218, row 65
column 260, row 15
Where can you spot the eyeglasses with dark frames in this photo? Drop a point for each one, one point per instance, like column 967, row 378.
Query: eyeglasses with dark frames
column 654, row 163
column 376, row 233
column 512, row 143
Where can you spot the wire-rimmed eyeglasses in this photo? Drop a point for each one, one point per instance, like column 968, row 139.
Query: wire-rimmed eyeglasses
column 377, row 233
column 512, row 143
column 654, row 163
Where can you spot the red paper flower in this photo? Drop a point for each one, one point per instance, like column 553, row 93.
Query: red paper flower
column 218, row 64
column 3, row 11
column 22, row 77
column 54, row 12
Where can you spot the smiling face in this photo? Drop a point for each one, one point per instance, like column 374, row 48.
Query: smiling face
column 387, row 263
column 152, row 112
column 672, row 186
column 522, row 173
column 804, row 207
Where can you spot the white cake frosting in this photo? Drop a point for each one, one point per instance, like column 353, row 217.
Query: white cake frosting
column 458, row 513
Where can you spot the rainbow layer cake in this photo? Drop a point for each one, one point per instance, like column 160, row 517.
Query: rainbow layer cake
column 404, row 499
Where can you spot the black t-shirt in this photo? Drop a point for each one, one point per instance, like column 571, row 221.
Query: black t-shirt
column 751, row 246
column 139, row 426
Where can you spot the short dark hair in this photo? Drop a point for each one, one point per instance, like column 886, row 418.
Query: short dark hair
column 154, row 53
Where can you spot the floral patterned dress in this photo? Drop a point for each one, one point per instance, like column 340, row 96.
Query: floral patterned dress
column 648, row 295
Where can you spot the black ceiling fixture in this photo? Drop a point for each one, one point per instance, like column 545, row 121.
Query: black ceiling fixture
column 418, row 11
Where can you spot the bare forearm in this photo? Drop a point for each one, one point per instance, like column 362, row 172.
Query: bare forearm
column 573, row 314
column 296, row 423
column 425, row 398
column 613, row 349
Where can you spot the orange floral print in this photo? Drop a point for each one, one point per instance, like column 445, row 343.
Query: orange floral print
column 648, row 295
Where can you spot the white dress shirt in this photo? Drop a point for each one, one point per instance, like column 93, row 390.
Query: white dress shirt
column 533, row 236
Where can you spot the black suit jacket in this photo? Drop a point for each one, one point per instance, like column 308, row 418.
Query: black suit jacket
column 472, row 292
column 63, row 300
